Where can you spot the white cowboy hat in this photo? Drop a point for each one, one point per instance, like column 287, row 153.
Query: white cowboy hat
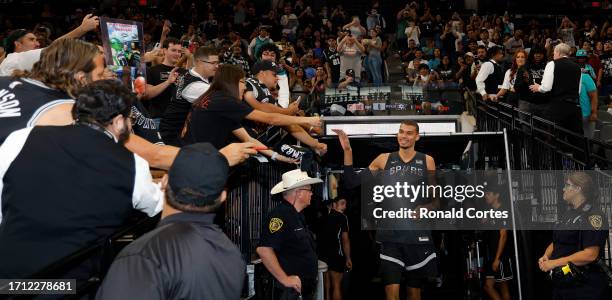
column 294, row 179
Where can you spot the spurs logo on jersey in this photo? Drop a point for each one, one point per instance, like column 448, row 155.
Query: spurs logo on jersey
column 396, row 167
column 24, row 101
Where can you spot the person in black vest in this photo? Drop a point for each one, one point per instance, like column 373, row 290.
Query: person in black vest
column 287, row 247
column 491, row 75
column 105, row 182
column 561, row 83
column 187, row 256
column 189, row 88
column 408, row 253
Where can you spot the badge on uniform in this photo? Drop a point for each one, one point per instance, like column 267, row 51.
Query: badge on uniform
column 275, row 225
column 596, row 221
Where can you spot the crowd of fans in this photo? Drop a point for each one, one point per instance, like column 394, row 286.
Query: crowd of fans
column 204, row 58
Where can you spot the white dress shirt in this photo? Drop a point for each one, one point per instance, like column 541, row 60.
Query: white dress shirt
column 486, row 69
column 194, row 90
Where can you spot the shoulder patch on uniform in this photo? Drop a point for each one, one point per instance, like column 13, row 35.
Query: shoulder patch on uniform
column 275, row 225
column 596, row 221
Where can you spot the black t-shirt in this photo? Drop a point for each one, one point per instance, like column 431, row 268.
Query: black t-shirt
column 286, row 232
column 606, row 64
column 446, row 74
column 333, row 58
column 156, row 75
column 213, row 119
column 334, row 224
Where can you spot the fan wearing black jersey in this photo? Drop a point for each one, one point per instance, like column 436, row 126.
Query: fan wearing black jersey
column 404, row 254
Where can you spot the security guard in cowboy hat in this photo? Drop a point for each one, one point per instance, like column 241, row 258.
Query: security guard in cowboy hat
column 287, row 248
column 573, row 257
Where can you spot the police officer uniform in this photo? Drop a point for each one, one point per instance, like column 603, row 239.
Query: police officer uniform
column 579, row 228
column 286, row 233
column 407, row 253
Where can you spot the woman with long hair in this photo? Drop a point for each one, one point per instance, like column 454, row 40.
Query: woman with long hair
column 296, row 81
column 446, row 72
column 578, row 242
column 374, row 58
column 507, row 90
column 218, row 114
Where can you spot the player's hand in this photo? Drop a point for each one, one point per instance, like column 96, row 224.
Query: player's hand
column 349, row 264
column 495, row 266
column 293, row 282
column 173, row 76
column 494, row 98
column 90, row 23
column 236, row 153
column 593, row 116
column 344, row 140
column 534, row 88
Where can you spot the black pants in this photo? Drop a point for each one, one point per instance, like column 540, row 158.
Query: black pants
column 593, row 289
column 567, row 115
column 309, row 288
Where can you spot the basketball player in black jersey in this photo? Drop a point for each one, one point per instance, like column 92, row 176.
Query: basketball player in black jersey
column 408, row 254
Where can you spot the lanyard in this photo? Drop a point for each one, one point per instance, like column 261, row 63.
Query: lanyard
column 98, row 128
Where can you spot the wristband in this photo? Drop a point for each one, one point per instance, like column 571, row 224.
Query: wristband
column 274, row 155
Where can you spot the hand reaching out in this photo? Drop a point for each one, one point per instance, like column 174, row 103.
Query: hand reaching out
column 343, row 138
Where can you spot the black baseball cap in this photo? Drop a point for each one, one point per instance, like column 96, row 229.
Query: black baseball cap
column 264, row 65
column 9, row 42
column 350, row 72
column 198, row 175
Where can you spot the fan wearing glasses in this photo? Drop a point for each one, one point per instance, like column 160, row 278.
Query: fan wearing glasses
column 189, row 88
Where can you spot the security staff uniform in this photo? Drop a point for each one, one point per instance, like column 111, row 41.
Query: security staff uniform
column 408, row 253
column 582, row 227
column 286, row 232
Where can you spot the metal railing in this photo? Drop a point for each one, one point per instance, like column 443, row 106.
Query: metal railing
column 92, row 262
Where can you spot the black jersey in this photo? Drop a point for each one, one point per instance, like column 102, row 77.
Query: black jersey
column 414, row 172
column 261, row 131
column 23, row 101
column 143, row 125
column 417, row 166
column 260, row 91
column 174, row 117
